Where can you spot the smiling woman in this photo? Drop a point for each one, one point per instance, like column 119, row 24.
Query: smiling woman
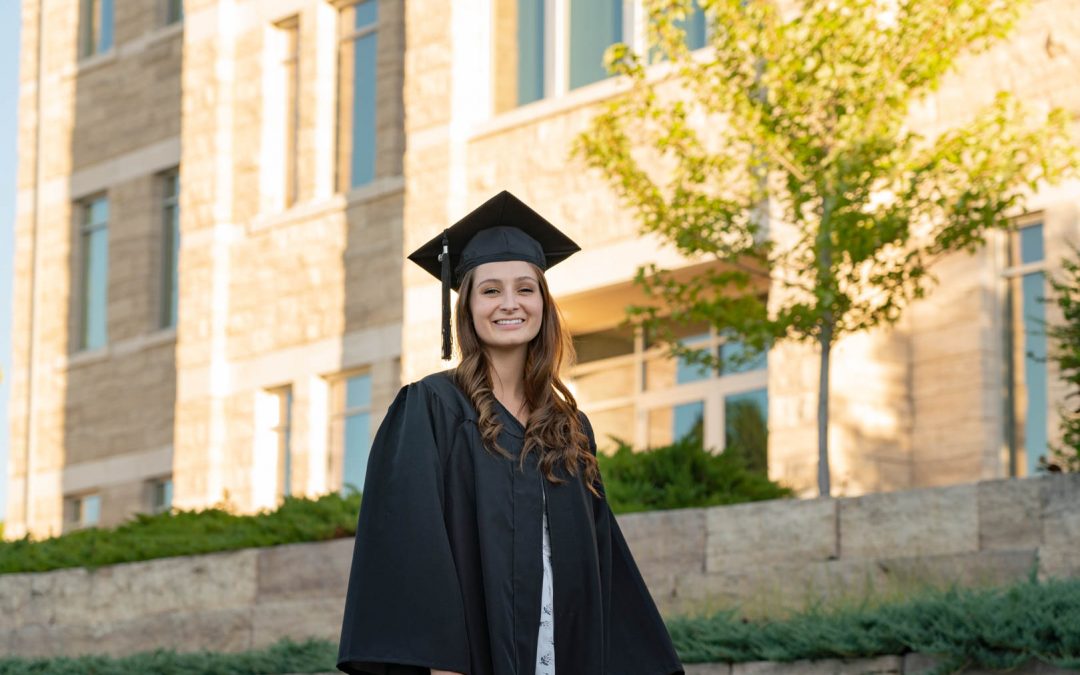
column 505, row 301
column 485, row 544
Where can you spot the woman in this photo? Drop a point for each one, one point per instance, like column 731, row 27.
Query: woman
column 484, row 544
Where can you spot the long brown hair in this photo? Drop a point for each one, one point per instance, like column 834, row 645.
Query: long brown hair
column 554, row 428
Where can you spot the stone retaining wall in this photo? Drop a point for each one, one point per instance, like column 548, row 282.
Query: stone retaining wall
column 764, row 556
column 783, row 554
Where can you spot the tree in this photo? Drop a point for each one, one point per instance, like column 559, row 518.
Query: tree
column 782, row 152
column 1066, row 354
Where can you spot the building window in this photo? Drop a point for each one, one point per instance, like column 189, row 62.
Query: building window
column 290, row 85
column 281, row 430
column 561, row 43
column 1027, row 413
column 595, row 25
column 357, row 71
column 160, row 494
column 95, row 27
column 634, row 391
column 173, row 11
column 170, row 249
column 94, row 287
column 350, row 431
column 532, row 31
column 83, row 511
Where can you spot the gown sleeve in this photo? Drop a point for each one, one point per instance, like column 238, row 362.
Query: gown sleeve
column 404, row 612
column 638, row 640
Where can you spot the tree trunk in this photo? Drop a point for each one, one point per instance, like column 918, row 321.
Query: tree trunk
column 825, row 341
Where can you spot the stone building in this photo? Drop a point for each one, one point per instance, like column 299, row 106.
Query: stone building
column 214, row 202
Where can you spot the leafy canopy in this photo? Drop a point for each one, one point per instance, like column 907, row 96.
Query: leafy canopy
column 784, row 152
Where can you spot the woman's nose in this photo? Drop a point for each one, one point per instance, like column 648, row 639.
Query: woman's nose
column 509, row 300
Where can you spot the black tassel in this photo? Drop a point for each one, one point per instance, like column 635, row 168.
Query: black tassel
column 444, row 258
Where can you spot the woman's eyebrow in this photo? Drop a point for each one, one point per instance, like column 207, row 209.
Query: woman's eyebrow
column 500, row 281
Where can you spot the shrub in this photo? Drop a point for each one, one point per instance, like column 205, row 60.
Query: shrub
column 146, row 537
column 312, row 656
column 681, row 475
column 981, row 629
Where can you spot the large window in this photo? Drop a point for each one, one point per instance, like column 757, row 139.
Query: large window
column 170, row 249
column 633, row 391
column 357, row 70
column 281, row 430
column 159, row 494
column 173, row 11
column 1027, row 423
column 290, row 81
column 94, row 259
column 532, row 29
column 594, row 26
column 561, row 43
column 83, row 511
column 351, row 431
column 95, row 27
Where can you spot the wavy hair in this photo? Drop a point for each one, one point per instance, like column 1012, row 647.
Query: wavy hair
column 554, row 428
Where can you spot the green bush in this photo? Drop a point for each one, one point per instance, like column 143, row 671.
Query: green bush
column 996, row 629
column 186, row 533
column 313, row 656
column 681, row 475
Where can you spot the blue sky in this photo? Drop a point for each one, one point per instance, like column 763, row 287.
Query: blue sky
column 9, row 97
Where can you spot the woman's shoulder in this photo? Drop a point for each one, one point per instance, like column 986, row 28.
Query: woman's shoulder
column 441, row 389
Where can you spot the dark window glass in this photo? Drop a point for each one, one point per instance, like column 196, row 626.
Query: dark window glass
column 530, row 40
column 595, row 25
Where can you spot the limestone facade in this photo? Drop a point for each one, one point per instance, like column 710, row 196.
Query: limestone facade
column 297, row 320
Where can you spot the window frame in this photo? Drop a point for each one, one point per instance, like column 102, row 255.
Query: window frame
column 557, row 30
column 152, row 486
column 289, row 63
column 91, row 25
column 1013, row 275
column 169, row 17
column 344, row 151
column 339, row 414
column 282, row 432
column 75, row 510
column 712, row 391
column 169, row 290
column 85, row 232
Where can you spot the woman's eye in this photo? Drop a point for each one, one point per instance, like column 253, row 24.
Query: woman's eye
column 525, row 290
column 489, row 291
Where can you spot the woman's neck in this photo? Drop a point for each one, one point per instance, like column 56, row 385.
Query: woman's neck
column 508, row 379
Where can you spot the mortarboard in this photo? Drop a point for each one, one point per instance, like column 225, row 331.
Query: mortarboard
column 502, row 228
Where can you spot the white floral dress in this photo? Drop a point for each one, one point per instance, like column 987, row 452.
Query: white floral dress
column 545, row 644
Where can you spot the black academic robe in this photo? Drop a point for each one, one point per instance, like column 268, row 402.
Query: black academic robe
column 447, row 566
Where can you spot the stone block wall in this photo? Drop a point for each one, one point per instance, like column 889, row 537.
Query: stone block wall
column 763, row 558
column 780, row 555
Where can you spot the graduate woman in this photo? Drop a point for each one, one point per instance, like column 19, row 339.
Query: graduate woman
column 485, row 545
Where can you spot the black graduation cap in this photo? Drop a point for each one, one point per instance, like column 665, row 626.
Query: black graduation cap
column 502, row 228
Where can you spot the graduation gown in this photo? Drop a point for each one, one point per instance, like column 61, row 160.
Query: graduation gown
column 447, row 568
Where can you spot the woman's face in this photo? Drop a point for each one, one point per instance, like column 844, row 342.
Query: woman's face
column 506, row 303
